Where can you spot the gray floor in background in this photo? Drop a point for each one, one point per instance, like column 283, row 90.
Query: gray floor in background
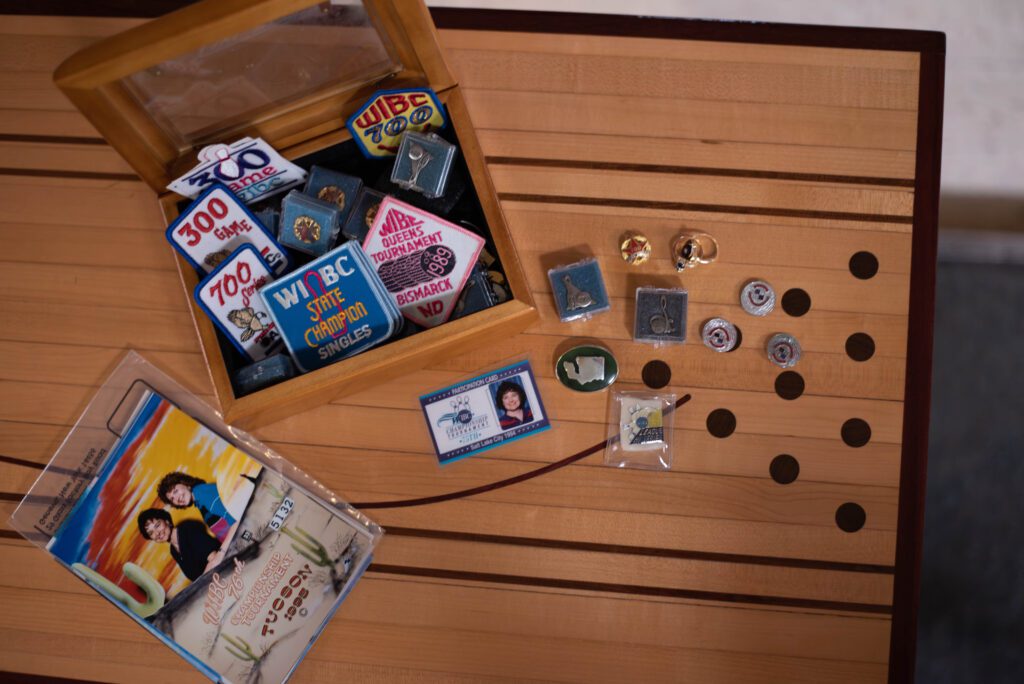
column 971, row 623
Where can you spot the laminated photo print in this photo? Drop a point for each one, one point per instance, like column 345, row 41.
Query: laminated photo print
column 225, row 560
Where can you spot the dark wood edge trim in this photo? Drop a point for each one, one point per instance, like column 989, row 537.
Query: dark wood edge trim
column 95, row 8
column 903, row 40
column 917, row 393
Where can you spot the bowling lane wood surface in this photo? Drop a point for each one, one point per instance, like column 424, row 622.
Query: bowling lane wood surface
column 795, row 155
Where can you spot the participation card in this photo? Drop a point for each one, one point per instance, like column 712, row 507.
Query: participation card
column 484, row 412
column 250, row 168
column 228, row 296
column 226, row 561
column 217, row 224
column 331, row 308
column 423, row 261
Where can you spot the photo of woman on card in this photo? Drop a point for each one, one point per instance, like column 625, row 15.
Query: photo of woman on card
column 512, row 405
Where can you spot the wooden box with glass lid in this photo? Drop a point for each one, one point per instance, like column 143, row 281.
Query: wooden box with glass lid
column 291, row 72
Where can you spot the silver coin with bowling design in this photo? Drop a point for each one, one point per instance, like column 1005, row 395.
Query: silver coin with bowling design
column 719, row 335
column 783, row 350
column 757, row 298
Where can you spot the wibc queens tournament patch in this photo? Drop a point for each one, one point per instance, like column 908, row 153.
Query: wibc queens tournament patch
column 378, row 125
column 423, row 261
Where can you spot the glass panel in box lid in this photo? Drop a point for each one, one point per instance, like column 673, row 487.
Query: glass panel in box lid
column 324, row 48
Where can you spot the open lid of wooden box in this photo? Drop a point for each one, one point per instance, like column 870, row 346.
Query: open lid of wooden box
column 283, row 70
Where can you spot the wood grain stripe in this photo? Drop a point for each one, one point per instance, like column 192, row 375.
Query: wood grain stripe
column 52, row 139
column 657, row 552
column 711, row 208
column 48, row 173
column 699, row 171
column 21, row 462
column 632, row 589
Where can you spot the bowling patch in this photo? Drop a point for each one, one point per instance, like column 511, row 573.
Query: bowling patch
column 378, row 125
column 250, row 167
column 228, row 296
column 422, row 260
column 217, row 224
column 331, row 308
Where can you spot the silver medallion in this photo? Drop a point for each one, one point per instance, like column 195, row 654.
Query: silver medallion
column 783, row 350
column 757, row 298
column 719, row 335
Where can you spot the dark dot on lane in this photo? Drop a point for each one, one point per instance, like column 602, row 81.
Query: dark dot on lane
column 721, row 423
column 850, row 517
column 856, row 432
column 656, row 374
column 789, row 385
column 784, row 469
column 860, row 346
column 863, row 265
column 796, row 302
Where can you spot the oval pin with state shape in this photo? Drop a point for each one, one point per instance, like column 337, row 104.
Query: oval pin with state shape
column 587, row 368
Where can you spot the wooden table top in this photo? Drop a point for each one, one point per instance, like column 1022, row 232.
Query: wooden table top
column 796, row 147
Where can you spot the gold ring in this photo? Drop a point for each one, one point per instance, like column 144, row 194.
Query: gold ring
column 694, row 249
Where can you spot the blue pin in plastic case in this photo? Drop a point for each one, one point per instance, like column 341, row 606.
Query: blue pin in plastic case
column 579, row 290
column 332, row 308
column 363, row 214
column 660, row 315
column 269, row 218
column 262, row 374
column 335, row 188
column 307, row 224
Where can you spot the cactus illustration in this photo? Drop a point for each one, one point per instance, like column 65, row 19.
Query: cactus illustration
column 307, row 545
column 274, row 490
column 310, row 548
column 155, row 593
column 240, row 648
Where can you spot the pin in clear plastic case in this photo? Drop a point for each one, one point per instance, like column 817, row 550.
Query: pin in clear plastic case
column 640, row 425
column 363, row 214
column 579, row 290
column 263, row 374
column 335, row 188
column 269, row 218
column 660, row 316
column 423, row 163
column 307, row 224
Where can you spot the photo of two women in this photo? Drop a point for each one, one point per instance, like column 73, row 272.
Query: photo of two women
column 195, row 546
